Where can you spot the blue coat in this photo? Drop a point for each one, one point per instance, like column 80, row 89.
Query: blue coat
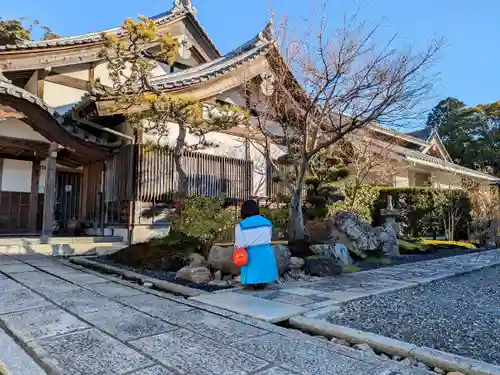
column 254, row 234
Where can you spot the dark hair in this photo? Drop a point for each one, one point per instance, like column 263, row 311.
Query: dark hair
column 249, row 208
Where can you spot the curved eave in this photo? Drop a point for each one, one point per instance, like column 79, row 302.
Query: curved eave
column 213, row 69
column 80, row 49
column 44, row 119
column 426, row 160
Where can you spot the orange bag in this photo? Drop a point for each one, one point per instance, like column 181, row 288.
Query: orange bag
column 240, row 257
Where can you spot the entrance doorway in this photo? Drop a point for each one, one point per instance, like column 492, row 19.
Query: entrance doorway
column 68, row 197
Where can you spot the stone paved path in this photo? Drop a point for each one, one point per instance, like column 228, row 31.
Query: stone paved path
column 318, row 295
column 74, row 322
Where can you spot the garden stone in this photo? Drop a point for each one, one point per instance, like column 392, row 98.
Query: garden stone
column 439, row 371
column 322, row 266
column 218, row 275
column 219, row 283
column 361, row 235
column 364, row 348
column 340, row 342
column 221, row 258
column 296, row 263
column 334, row 251
column 197, row 275
column 197, row 260
column 283, row 256
column 385, row 357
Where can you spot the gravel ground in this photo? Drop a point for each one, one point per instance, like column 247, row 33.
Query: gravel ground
column 460, row 315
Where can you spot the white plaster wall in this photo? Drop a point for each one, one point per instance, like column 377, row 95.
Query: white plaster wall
column 16, row 175
column 58, row 95
column 445, row 180
column 101, row 71
column 80, row 71
column 15, row 128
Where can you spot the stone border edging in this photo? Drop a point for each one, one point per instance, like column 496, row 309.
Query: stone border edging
column 160, row 284
column 430, row 357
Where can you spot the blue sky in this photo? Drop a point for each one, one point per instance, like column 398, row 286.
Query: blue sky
column 468, row 66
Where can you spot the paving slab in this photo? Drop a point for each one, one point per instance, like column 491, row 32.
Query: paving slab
column 293, row 299
column 5, row 259
column 156, row 370
column 15, row 359
column 82, row 301
column 16, row 268
column 126, row 323
column 9, row 285
column 276, row 371
column 43, row 282
column 259, row 308
column 80, row 278
column 218, row 328
column 20, row 300
column 154, row 305
column 113, row 290
column 41, row 322
column 303, row 357
column 189, row 353
column 88, row 352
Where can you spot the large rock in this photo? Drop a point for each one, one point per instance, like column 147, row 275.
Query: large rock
column 337, row 251
column 360, row 237
column 197, row 260
column 322, row 266
column 283, row 256
column 296, row 263
column 221, row 258
column 196, row 275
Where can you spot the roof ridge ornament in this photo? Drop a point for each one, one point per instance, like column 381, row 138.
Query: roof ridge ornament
column 184, row 5
column 266, row 35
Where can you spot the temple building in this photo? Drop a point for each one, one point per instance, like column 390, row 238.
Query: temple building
column 65, row 154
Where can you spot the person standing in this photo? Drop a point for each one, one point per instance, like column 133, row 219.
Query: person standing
column 254, row 234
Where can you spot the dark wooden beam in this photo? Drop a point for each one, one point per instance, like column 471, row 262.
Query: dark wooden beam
column 49, row 198
column 35, row 179
column 68, row 81
column 18, row 157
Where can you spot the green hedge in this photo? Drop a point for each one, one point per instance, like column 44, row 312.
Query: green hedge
column 423, row 210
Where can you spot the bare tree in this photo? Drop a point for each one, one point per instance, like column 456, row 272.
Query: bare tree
column 322, row 87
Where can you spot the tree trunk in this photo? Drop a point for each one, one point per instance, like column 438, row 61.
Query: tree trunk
column 296, row 225
column 178, row 155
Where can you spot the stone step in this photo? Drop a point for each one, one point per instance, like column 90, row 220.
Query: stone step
column 246, row 304
column 35, row 240
column 63, row 249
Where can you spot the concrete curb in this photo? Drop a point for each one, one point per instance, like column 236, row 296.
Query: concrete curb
column 430, row 357
column 130, row 275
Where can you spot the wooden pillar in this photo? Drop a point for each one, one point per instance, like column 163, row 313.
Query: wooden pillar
column 49, row 198
column 35, row 178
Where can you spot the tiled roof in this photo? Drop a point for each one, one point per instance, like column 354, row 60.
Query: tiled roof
column 446, row 164
column 215, row 68
column 94, row 37
column 7, row 88
column 409, row 136
column 423, row 134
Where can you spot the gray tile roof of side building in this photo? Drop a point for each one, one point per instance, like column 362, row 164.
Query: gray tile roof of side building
column 93, row 37
column 431, row 159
